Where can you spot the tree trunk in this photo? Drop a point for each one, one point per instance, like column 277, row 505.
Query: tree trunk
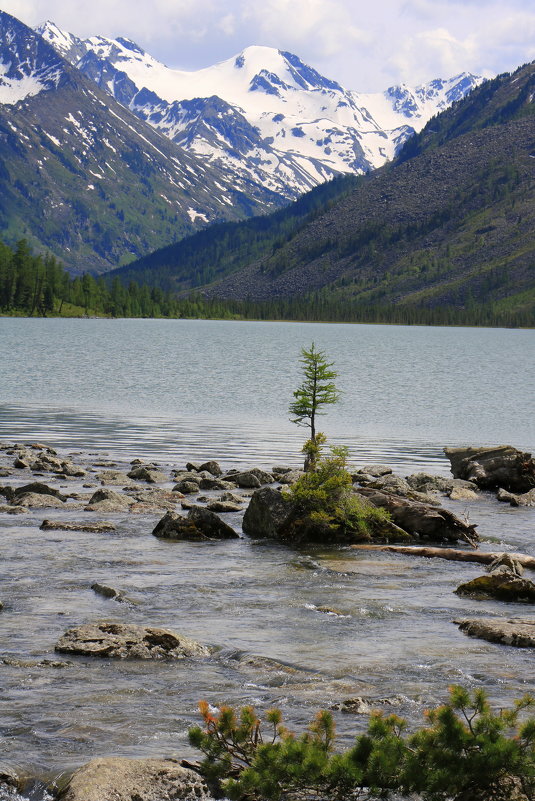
column 451, row 554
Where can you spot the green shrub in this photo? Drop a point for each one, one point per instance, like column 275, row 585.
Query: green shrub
column 467, row 752
column 325, row 496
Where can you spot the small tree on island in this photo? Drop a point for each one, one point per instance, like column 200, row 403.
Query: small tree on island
column 317, row 390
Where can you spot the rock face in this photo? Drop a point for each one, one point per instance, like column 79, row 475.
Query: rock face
column 514, row 631
column 134, row 780
column 127, row 641
column 421, row 520
column 490, row 468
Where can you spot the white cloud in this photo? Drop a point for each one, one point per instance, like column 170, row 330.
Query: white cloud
column 364, row 45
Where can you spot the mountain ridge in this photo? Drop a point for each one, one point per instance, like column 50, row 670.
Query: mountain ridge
column 302, row 128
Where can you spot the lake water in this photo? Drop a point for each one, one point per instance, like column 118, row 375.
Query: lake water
column 175, row 391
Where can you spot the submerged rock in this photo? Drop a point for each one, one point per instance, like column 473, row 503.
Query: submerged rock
column 524, row 499
column 513, row 631
column 490, row 468
column 122, row 779
column 127, row 641
column 61, row 525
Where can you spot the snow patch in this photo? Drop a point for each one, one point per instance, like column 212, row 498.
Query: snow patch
column 195, row 215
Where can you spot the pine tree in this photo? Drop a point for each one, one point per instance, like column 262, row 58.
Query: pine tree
column 317, row 390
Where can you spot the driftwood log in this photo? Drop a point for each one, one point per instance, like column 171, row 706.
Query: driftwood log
column 452, row 554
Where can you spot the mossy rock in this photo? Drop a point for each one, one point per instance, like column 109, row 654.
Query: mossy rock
column 501, row 586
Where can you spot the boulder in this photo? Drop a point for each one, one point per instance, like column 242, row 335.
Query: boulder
column 147, row 472
column 193, row 467
column 215, row 484
column 504, row 581
column 38, row 488
column 122, row 779
column 127, row 641
column 422, row 520
column 376, row 470
column 462, row 494
column 518, row 632
column 525, row 499
column 427, row 482
column 267, row 514
column 38, row 501
column 12, row 510
column 107, row 500
column 114, row 477
column 60, row 525
column 187, row 486
column 173, row 526
column 391, row 483
column 21, row 464
column 224, row 506
column 245, row 479
column 503, row 586
column 211, row 467
column 210, row 524
column 490, row 468
column 262, row 475
column 291, row 477
column 280, row 470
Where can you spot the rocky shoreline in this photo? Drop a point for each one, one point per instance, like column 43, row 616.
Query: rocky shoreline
column 204, row 503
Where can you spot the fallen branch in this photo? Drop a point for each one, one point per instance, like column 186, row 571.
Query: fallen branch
column 451, row 554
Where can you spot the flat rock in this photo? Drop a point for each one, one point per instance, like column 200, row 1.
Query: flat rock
column 504, row 586
column 428, row 482
column 187, row 486
column 120, row 779
column 61, row 525
column 376, row 470
column 224, row 506
column 513, row 631
column 523, row 499
column 291, row 476
column 127, row 641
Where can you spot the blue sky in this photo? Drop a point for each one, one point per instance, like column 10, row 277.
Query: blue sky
column 366, row 46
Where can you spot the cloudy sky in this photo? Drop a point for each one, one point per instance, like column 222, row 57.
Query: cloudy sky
column 366, row 46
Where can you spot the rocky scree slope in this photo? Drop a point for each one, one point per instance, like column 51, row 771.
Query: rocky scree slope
column 451, row 222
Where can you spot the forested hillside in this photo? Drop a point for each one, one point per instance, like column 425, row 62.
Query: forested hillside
column 449, row 225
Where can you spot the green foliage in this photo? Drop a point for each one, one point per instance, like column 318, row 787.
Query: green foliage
column 325, row 496
column 316, row 390
column 467, row 752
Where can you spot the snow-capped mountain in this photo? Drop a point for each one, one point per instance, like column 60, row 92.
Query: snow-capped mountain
column 85, row 178
column 263, row 114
